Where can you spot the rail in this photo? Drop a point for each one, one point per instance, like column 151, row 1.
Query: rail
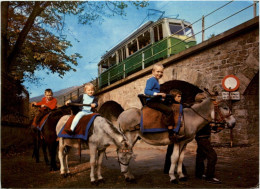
column 79, row 91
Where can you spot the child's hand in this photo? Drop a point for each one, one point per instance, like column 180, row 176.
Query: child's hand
column 93, row 105
column 68, row 101
column 162, row 94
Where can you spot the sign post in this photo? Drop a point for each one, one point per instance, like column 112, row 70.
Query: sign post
column 230, row 83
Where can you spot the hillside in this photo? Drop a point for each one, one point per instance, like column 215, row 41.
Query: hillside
column 55, row 94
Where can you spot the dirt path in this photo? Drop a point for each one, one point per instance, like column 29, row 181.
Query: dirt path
column 237, row 167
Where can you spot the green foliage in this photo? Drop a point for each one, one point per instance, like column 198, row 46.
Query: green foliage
column 211, row 35
column 29, row 40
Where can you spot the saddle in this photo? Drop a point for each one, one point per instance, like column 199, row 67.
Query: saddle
column 83, row 128
column 42, row 122
column 154, row 121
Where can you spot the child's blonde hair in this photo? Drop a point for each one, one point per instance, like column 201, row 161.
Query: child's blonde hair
column 89, row 85
column 157, row 65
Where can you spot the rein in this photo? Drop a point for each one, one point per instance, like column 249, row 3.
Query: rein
column 216, row 124
column 219, row 124
column 200, row 115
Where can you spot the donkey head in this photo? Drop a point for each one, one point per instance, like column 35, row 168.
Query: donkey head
column 221, row 113
column 124, row 153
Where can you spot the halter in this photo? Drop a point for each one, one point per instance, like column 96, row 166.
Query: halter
column 126, row 151
column 218, row 123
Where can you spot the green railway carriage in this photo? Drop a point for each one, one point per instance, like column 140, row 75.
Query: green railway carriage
column 149, row 44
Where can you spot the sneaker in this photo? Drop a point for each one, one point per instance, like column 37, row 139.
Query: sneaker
column 201, row 176
column 69, row 131
column 214, row 181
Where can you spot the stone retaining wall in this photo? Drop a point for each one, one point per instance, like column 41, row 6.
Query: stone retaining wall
column 235, row 51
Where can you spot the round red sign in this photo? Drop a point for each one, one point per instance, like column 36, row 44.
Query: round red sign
column 230, row 83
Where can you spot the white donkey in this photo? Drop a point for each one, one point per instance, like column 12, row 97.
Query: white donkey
column 195, row 118
column 104, row 134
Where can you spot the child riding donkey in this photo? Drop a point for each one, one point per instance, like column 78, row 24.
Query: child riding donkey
column 86, row 98
column 153, row 89
column 47, row 104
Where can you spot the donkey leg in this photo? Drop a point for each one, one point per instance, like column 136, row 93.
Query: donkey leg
column 129, row 177
column 45, row 155
column 174, row 160
column 67, row 163
column 61, row 155
column 99, row 164
column 53, row 150
column 182, row 177
column 93, row 153
column 36, row 146
column 132, row 139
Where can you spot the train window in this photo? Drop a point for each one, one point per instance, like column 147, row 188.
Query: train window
column 176, row 29
column 155, row 34
column 124, row 53
column 103, row 66
column 158, row 33
column 132, row 47
column 120, row 55
column 112, row 60
column 188, row 31
column 144, row 39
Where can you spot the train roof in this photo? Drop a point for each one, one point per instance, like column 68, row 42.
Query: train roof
column 137, row 32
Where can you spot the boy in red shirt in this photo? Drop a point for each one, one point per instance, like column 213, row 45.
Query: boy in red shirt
column 48, row 103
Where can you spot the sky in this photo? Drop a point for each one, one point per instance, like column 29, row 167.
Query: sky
column 93, row 41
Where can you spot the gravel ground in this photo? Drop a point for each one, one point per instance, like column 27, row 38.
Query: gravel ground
column 237, row 167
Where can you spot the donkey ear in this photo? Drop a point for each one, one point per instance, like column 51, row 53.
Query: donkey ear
column 211, row 94
column 207, row 91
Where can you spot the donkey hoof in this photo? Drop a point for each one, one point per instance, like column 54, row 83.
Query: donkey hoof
column 183, row 179
column 175, row 181
column 101, row 181
column 131, row 180
column 54, row 169
column 94, row 183
column 64, row 175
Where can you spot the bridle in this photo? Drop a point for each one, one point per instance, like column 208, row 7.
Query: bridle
column 218, row 123
column 126, row 151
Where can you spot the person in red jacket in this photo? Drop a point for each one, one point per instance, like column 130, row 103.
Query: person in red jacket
column 47, row 103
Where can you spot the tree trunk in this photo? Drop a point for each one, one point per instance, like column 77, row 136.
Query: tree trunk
column 4, row 41
column 37, row 9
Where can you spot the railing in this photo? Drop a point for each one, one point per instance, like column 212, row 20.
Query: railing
column 73, row 94
column 79, row 91
column 128, row 65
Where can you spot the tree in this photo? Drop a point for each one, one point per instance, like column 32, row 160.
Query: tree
column 28, row 41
